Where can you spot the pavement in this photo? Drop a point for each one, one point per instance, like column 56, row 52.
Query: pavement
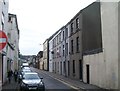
column 75, row 84
column 12, row 86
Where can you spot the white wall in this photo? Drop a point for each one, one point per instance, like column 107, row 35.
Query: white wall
column 4, row 69
column 104, row 66
column 5, row 11
column 97, row 69
column 119, row 45
column 14, row 39
column 109, row 17
column 50, row 56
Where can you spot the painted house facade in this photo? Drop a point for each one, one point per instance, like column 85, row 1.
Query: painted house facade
column 13, row 42
column 4, row 28
column 51, row 55
column 46, row 55
column 101, row 65
column 57, row 52
column 9, row 56
column 90, row 53
column 75, row 47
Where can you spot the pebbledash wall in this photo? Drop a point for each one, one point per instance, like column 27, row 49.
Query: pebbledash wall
column 104, row 69
column 3, row 27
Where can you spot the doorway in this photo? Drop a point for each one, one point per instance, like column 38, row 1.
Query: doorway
column 64, row 63
column 61, row 68
column 80, row 70
column 88, row 73
column 68, row 68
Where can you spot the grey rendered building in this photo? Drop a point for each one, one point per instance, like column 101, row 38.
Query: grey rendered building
column 75, row 47
column 90, row 52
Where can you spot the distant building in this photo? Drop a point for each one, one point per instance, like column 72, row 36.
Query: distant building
column 46, row 55
column 40, row 60
column 34, row 61
column 38, row 57
column 51, row 54
column 52, row 50
column 57, row 52
column 41, row 65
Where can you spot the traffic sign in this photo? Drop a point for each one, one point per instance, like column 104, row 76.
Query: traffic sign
column 3, row 40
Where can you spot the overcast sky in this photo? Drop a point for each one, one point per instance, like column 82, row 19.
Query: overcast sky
column 39, row 19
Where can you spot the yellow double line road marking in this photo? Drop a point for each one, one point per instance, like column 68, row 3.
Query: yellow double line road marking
column 76, row 88
column 65, row 83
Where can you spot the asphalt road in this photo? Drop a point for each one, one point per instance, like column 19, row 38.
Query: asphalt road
column 52, row 83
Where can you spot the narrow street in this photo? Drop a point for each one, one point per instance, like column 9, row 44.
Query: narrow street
column 53, row 83
column 59, row 45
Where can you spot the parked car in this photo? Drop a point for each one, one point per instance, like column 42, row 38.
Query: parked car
column 26, row 68
column 25, row 65
column 31, row 81
column 21, row 73
column 25, row 71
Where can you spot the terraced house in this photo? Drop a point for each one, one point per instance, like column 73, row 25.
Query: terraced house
column 4, row 28
column 75, row 46
column 9, row 56
column 87, row 47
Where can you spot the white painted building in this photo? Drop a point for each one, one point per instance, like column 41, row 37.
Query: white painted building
column 57, row 52
column 13, row 42
column 54, row 52
column 45, row 55
column 3, row 27
column 50, row 55
column 9, row 55
column 100, row 68
column 104, row 67
column 67, row 51
column 62, row 44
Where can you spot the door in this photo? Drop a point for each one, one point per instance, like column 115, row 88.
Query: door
column 64, row 68
column 55, row 68
column 80, row 69
column 61, row 68
column 88, row 74
column 68, row 68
